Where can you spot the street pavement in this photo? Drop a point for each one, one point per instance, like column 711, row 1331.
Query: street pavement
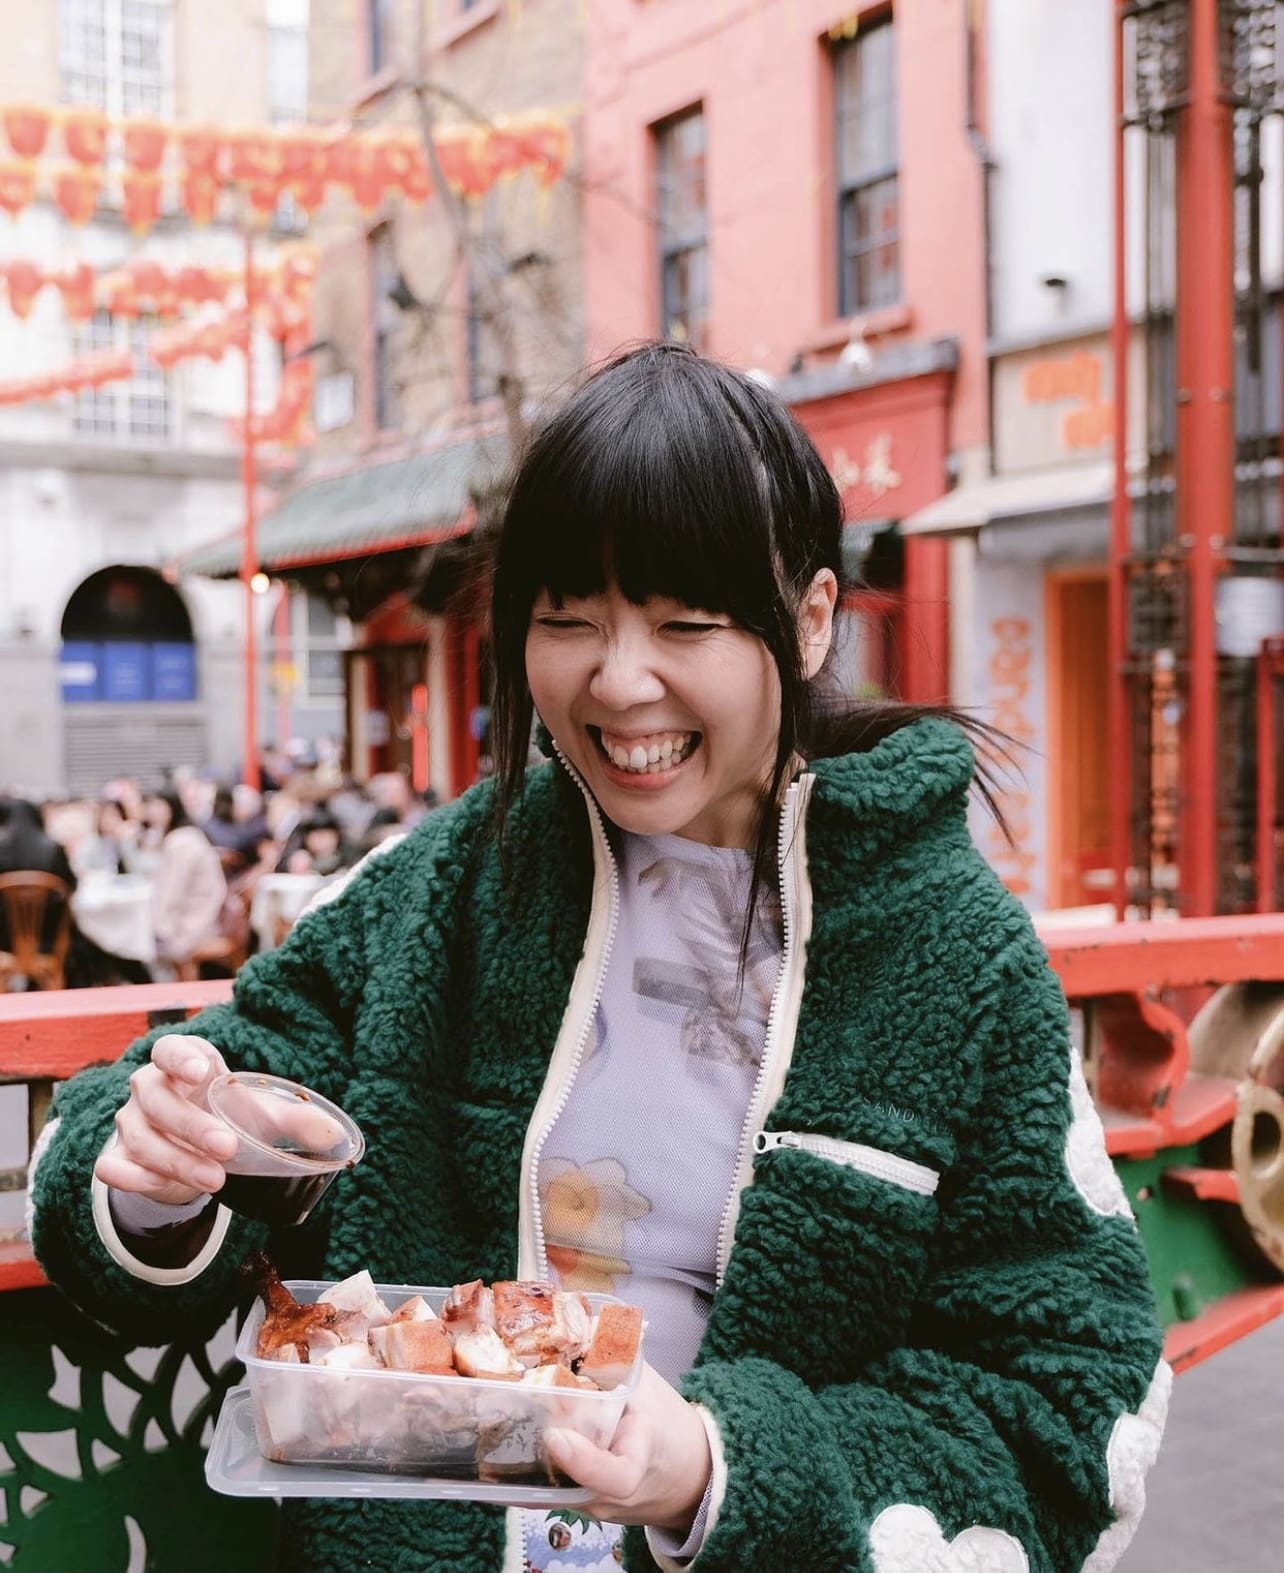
column 1215, row 1498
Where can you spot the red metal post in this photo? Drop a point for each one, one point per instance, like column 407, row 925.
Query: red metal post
column 926, row 676
column 1205, row 427
column 249, row 555
column 281, row 656
column 1121, row 741
column 1270, row 670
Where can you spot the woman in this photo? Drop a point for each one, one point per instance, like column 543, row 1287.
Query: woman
column 719, row 1009
column 188, row 884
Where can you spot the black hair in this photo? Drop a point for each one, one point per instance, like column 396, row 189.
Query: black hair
column 178, row 815
column 669, row 474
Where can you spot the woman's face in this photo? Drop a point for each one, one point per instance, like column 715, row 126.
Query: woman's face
column 670, row 714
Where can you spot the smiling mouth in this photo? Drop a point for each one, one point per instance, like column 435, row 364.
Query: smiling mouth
column 656, row 754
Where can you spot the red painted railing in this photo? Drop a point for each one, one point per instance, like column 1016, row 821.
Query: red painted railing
column 1136, row 984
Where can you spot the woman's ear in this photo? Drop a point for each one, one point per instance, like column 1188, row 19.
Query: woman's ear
column 816, row 621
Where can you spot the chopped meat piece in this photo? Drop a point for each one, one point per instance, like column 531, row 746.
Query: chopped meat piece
column 482, row 1353
column 414, row 1346
column 540, row 1324
column 416, row 1309
column 468, row 1308
column 358, row 1294
column 350, row 1357
column 556, row 1376
column 287, row 1324
column 616, row 1338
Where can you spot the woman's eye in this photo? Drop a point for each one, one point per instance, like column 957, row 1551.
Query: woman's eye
column 561, row 622
column 693, row 628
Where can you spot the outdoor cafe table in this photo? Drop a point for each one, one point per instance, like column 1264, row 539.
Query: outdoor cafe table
column 277, row 902
column 115, row 912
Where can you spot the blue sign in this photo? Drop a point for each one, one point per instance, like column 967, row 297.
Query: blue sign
column 174, row 671
column 80, row 672
column 127, row 673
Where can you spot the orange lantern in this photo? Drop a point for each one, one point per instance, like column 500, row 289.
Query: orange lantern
column 198, row 286
column 255, row 155
column 27, row 128
column 264, row 195
column 120, row 294
column 76, row 192
column 25, row 282
column 416, row 179
column 199, row 196
column 144, row 140
column 149, row 279
column 505, row 151
column 199, row 148
column 77, row 290
column 141, row 194
column 84, row 134
column 17, row 187
column 551, row 143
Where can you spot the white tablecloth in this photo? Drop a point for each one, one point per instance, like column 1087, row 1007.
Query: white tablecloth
column 115, row 912
column 277, row 902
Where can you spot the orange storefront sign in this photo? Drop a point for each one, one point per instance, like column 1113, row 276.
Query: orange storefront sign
column 1078, row 378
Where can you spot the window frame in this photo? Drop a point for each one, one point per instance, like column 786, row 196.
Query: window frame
column 115, row 97
column 676, row 247
column 117, row 412
column 849, row 189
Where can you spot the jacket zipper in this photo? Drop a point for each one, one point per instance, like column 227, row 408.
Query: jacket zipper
column 791, row 817
column 873, row 1161
column 602, row 848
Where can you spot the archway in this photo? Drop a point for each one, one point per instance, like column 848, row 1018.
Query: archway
column 128, row 676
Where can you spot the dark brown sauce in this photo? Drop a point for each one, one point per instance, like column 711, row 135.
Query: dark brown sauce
column 278, row 1199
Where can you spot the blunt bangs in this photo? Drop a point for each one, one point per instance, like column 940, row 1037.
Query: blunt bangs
column 653, row 479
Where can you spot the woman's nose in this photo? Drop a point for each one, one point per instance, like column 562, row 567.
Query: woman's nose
column 624, row 677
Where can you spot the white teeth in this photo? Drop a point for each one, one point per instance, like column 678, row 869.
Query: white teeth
column 653, row 753
column 637, row 758
column 621, row 757
column 666, row 748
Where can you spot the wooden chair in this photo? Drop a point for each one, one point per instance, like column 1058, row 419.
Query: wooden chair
column 25, row 898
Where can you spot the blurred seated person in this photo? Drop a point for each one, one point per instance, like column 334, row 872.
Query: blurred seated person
column 110, row 849
column 316, row 846
column 234, row 838
column 26, row 847
column 391, row 789
column 188, row 886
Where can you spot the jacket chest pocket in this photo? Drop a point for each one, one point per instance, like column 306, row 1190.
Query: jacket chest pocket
column 830, row 1251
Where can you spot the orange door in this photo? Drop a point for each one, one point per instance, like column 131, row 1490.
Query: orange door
column 1079, row 759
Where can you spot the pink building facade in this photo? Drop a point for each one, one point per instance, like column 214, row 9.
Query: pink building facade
column 798, row 186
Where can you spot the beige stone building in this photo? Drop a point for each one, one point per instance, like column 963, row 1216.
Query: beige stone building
column 426, row 317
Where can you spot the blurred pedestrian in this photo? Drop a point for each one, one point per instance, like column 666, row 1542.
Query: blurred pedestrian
column 188, row 884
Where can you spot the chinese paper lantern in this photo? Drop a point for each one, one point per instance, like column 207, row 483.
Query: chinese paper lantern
column 199, row 195
column 148, row 277
column 303, row 153
column 144, row 140
column 264, row 196
column 77, row 288
column 76, row 192
column 416, row 179
column 309, row 194
column 17, row 187
column 199, row 149
column 25, row 281
column 119, row 293
column 198, row 286
column 140, row 199
column 254, row 156
column 27, row 128
column 506, row 151
column 551, row 144
column 84, row 134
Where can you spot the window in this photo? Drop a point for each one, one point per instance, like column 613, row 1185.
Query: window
column 116, row 55
column 384, row 275
column 139, row 408
column 379, row 38
column 869, row 269
column 684, row 241
column 318, row 639
column 288, row 87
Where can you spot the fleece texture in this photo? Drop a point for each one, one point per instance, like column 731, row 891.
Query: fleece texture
column 901, row 1381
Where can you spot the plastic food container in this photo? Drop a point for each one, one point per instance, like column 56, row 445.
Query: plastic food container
column 449, row 1428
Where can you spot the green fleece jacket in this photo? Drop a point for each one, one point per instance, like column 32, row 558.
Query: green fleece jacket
column 933, row 1345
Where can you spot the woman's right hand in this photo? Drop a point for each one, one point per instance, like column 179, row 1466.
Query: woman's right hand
column 168, row 1147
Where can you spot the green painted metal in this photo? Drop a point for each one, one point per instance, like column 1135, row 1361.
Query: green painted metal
column 102, row 1451
column 1194, row 1248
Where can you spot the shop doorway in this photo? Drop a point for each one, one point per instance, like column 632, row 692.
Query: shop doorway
column 1078, row 665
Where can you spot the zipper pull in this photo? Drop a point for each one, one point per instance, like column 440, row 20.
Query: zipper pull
column 768, row 1141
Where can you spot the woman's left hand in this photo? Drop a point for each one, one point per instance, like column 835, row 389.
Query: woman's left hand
column 657, row 1467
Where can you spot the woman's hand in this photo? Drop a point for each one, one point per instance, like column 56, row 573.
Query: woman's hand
column 167, row 1146
column 656, row 1469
